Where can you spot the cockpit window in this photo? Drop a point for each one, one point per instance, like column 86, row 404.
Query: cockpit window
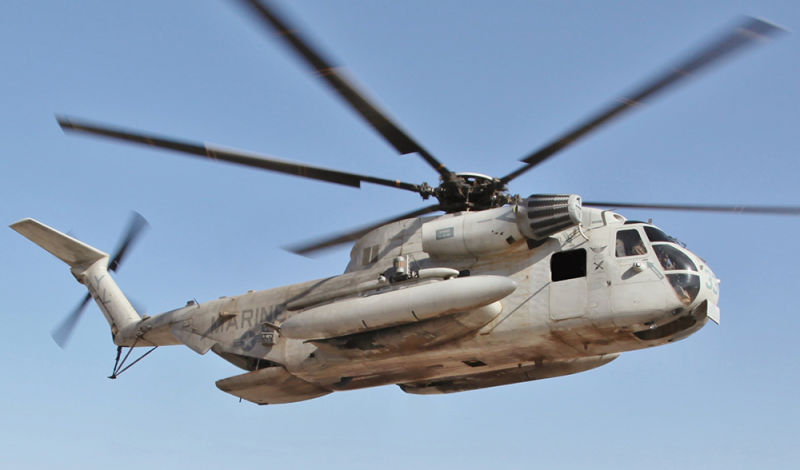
column 656, row 235
column 686, row 286
column 672, row 259
column 629, row 243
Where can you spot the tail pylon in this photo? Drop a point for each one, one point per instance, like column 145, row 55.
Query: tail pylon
column 89, row 266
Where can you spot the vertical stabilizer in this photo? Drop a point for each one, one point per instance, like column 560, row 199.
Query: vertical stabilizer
column 89, row 266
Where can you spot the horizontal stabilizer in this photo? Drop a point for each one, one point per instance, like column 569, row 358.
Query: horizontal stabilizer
column 69, row 250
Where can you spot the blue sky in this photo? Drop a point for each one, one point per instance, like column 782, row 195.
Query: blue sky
column 480, row 84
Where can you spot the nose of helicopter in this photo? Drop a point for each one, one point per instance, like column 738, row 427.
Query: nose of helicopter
column 708, row 296
column 709, row 286
column 697, row 290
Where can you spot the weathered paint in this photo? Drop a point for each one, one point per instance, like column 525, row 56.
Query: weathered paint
column 416, row 303
column 540, row 329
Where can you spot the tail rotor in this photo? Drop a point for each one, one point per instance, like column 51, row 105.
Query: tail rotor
column 137, row 224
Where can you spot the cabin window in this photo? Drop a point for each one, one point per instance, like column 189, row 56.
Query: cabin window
column 568, row 265
column 629, row 243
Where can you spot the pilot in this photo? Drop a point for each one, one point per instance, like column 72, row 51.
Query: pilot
column 620, row 247
column 629, row 244
column 666, row 262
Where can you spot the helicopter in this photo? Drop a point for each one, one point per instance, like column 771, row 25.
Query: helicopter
column 500, row 289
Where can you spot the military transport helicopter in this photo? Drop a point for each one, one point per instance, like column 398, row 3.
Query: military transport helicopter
column 500, row 289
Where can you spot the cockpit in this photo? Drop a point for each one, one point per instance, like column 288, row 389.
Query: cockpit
column 680, row 270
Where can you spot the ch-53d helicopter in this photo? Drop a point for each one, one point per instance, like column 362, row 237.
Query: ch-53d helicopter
column 500, row 289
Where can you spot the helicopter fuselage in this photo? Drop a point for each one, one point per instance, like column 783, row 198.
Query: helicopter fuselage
column 525, row 311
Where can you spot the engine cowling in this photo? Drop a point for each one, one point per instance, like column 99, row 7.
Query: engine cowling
column 471, row 233
column 496, row 230
column 542, row 215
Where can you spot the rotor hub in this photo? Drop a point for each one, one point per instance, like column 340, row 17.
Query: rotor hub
column 469, row 191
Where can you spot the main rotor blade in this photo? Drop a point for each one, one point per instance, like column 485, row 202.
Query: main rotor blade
column 773, row 210
column 63, row 331
column 335, row 79
column 745, row 33
column 229, row 155
column 334, row 240
column 135, row 227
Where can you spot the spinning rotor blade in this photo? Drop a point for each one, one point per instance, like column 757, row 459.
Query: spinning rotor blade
column 747, row 32
column 335, row 240
column 63, row 331
column 135, row 227
column 233, row 156
column 336, row 79
column 771, row 210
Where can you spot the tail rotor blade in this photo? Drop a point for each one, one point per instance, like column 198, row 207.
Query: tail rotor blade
column 63, row 331
column 135, row 227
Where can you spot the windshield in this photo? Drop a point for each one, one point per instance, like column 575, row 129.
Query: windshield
column 686, row 286
column 678, row 265
column 673, row 259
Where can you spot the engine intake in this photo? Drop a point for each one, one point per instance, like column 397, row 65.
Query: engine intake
column 542, row 215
